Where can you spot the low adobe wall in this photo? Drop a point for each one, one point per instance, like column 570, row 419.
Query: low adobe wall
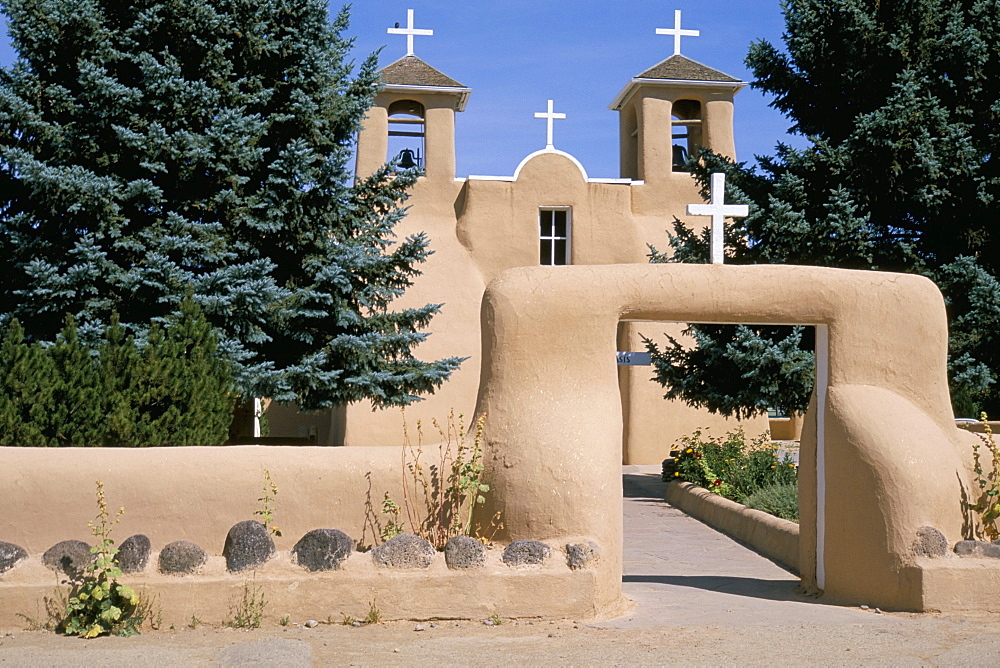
column 197, row 494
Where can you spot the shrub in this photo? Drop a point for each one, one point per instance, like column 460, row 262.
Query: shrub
column 780, row 499
column 730, row 466
column 171, row 389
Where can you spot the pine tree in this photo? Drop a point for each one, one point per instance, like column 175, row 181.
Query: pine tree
column 152, row 148
column 900, row 103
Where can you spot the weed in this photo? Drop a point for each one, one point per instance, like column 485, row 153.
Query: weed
column 374, row 615
column 496, row 620
column 97, row 604
column 440, row 497
column 248, row 611
column 267, row 501
column 988, row 505
column 393, row 528
column 55, row 609
column 194, row 623
column 347, row 619
column 285, row 621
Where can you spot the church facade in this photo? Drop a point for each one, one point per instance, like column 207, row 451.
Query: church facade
column 549, row 212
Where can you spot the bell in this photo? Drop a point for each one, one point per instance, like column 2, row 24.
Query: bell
column 680, row 157
column 405, row 159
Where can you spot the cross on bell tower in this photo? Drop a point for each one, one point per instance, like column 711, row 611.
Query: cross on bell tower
column 677, row 32
column 409, row 31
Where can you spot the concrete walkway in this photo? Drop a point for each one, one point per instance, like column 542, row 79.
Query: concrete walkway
column 680, row 571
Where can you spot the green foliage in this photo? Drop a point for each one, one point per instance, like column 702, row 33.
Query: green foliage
column 988, row 501
column 171, row 389
column 391, row 510
column 729, row 466
column 97, row 604
column 149, row 150
column 247, row 612
column 779, row 499
column 900, row 104
column 266, row 510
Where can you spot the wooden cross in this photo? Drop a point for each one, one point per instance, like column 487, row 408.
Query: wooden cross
column 718, row 210
column 549, row 117
column 677, row 32
column 409, row 31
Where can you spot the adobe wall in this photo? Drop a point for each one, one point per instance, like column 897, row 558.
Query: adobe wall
column 882, row 460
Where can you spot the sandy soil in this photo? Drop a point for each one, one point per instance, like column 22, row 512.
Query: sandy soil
column 890, row 639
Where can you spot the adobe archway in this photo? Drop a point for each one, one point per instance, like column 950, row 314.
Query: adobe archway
column 887, row 461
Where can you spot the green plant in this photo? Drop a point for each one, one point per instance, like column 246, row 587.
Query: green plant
column 730, row 466
column 97, row 603
column 988, row 502
column 247, row 611
column 347, row 620
column 194, row 623
column 267, row 501
column 779, row 499
column 285, row 621
column 496, row 619
column 391, row 509
column 440, row 498
column 374, row 615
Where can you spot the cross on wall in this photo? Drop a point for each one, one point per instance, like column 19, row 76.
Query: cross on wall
column 409, row 31
column 677, row 32
column 718, row 211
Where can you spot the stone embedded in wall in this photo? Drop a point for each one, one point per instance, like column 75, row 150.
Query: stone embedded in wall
column 248, row 545
column 69, row 556
column 10, row 555
column 322, row 550
column 133, row 555
column 526, row 553
column 464, row 552
column 404, row 551
column 181, row 558
column 580, row 555
column 930, row 543
column 977, row 548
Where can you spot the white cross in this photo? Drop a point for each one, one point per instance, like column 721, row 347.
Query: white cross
column 409, row 31
column 549, row 116
column 717, row 210
column 677, row 32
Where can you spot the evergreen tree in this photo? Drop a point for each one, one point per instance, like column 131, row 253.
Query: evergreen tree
column 174, row 390
column 152, row 148
column 900, row 102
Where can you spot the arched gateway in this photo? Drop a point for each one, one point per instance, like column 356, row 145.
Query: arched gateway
column 880, row 458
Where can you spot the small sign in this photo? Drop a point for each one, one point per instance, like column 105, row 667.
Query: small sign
column 626, row 358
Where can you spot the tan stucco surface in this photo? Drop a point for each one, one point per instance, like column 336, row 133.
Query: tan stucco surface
column 892, row 459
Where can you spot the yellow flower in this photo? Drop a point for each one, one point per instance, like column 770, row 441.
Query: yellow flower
column 676, row 474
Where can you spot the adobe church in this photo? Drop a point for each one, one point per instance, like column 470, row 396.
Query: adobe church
column 549, row 212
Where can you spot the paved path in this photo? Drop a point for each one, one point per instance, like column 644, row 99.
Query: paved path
column 680, row 571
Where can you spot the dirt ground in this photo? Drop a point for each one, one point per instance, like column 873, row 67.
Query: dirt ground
column 890, row 639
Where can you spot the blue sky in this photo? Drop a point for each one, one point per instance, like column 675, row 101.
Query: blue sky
column 516, row 54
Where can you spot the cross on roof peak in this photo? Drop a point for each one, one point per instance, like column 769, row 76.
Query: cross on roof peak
column 677, row 32
column 409, row 31
column 549, row 117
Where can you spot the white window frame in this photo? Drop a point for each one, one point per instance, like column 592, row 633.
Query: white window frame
column 551, row 239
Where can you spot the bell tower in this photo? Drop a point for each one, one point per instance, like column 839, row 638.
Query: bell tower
column 413, row 118
column 670, row 111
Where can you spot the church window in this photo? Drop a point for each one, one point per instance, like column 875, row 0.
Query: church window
column 406, row 133
column 554, row 228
